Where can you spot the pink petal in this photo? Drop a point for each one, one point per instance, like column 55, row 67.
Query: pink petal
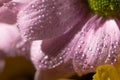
column 22, row 1
column 43, row 19
column 62, row 71
column 97, row 44
column 10, row 9
column 7, row 16
column 3, row 1
column 23, row 48
column 16, row 5
column 9, row 37
column 52, row 52
column 44, row 54
column 11, row 43
column 20, row 4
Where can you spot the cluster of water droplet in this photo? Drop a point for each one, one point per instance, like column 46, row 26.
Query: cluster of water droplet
column 84, row 56
column 87, row 58
column 12, row 6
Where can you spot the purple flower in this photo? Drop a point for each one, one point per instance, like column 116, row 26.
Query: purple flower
column 10, row 39
column 61, row 31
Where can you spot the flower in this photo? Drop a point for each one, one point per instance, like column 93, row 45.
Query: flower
column 83, row 33
column 71, row 30
column 10, row 39
column 11, row 43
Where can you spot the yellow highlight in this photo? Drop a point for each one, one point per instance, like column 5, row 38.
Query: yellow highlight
column 106, row 72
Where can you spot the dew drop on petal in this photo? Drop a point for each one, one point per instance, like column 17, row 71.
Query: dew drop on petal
column 97, row 51
column 47, row 18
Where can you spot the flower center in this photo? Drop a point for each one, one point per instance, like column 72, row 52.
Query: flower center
column 106, row 8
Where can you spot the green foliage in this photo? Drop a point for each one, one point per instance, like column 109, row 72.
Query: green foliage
column 106, row 8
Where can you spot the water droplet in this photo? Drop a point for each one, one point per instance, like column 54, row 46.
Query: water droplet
column 32, row 31
column 105, row 46
column 109, row 55
column 59, row 13
column 39, row 16
column 82, row 34
column 40, row 66
column 112, row 52
column 79, row 46
column 90, row 49
column 114, row 47
column 46, row 57
column 91, row 66
column 115, row 60
column 99, row 50
column 111, row 63
column 60, row 58
column 82, row 42
column 45, row 62
column 116, row 43
column 13, row 3
column 33, row 6
column 83, row 55
column 43, row 0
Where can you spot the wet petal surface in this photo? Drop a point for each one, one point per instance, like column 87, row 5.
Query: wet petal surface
column 3, row 1
column 43, row 19
column 52, row 52
column 99, row 44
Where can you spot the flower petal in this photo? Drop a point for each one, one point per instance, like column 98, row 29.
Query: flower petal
column 11, row 43
column 3, row 1
column 16, row 5
column 9, row 36
column 8, row 12
column 52, row 52
column 62, row 71
column 7, row 16
column 22, row 1
column 45, row 55
column 97, row 43
column 43, row 19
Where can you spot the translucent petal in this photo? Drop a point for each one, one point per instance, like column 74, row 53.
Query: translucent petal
column 7, row 16
column 9, row 37
column 16, row 5
column 52, row 52
column 62, row 71
column 22, row 1
column 43, row 19
column 97, row 43
column 3, row 1
column 8, row 11
column 23, row 48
